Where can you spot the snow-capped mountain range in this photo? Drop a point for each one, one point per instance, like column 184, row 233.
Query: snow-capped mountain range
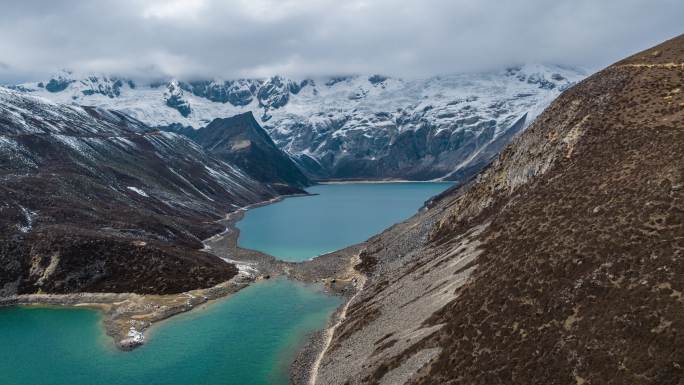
column 115, row 205
column 349, row 127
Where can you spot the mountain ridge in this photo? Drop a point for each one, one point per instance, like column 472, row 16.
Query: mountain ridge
column 344, row 127
column 93, row 200
column 243, row 142
column 560, row 263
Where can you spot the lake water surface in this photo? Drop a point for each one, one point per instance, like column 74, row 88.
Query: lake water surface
column 301, row 228
column 248, row 338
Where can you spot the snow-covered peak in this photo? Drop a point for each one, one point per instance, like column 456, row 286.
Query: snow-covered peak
column 263, row 96
column 330, row 119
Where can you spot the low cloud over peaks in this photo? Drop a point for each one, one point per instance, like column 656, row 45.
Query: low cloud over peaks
column 246, row 38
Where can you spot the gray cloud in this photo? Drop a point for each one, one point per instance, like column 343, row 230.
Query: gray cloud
column 239, row 38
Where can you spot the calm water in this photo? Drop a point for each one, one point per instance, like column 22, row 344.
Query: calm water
column 248, row 338
column 300, row 228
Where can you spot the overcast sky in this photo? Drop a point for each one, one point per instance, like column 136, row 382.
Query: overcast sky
column 246, row 38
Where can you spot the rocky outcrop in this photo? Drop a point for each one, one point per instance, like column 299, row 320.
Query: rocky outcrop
column 174, row 99
column 236, row 92
column 561, row 263
column 57, row 84
column 94, row 200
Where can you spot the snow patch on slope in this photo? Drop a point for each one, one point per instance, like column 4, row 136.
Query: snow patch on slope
column 138, row 191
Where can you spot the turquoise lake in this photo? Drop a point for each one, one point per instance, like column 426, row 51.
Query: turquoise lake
column 249, row 338
column 301, row 228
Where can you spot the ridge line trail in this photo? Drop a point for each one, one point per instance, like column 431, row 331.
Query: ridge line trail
column 659, row 65
column 330, row 332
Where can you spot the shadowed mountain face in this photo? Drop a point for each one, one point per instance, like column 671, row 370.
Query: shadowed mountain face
column 561, row 263
column 93, row 200
column 241, row 141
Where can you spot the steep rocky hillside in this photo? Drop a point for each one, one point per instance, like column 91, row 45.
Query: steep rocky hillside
column 350, row 127
column 561, row 263
column 93, row 200
column 241, row 141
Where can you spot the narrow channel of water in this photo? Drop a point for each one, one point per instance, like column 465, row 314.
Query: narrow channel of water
column 301, row 228
column 246, row 339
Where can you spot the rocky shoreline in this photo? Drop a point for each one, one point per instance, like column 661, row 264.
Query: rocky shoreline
column 304, row 369
column 312, row 348
column 335, row 270
column 128, row 315
column 331, row 269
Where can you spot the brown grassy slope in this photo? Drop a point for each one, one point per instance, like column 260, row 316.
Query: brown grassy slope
column 582, row 275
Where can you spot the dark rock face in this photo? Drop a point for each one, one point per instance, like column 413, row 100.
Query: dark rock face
column 91, row 85
column 336, row 79
column 237, row 92
column 560, row 263
column 377, row 79
column 295, row 87
column 275, row 92
column 271, row 93
column 104, row 86
column 177, row 102
column 57, row 85
column 174, row 99
column 93, row 200
column 241, row 141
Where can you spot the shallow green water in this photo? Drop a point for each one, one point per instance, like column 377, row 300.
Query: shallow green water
column 300, row 228
column 245, row 339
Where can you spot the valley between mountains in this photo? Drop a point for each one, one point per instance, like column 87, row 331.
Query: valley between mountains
column 555, row 257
